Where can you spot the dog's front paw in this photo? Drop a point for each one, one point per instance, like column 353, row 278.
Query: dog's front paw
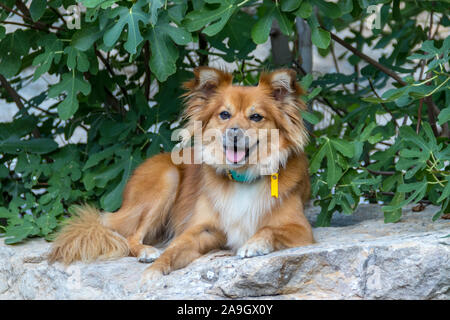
column 154, row 272
column 148, row 254
column 150, row 275
column 257, row 247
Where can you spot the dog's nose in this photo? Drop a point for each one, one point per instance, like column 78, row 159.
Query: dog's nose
column 235, row 134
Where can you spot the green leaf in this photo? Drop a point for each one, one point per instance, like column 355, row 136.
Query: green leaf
column 321, row 38
column 306, row 81
column 214, row 19
column 94, row 159
column 18, row 233
column 418, row 190
column 310, row 117
column 177, row 34
column 5, row 213
column 317, row 159
column 444, row 116
column 47, row 223
column 346, row 148
column 53, row 53
column 2, row 32
column 95, row 3
column 261, row 29
column 365, row 134
column 445, row 208
column 396, row 214
column 324, row 217
column 333, row 171
column 376, row 138
column 283, row 22
column 76, row 59
column 312, row 94
column 15, row 145
column 113, row 200
column 37, row 9
column 346, row 6
column 290, row 5
column 85, row 38
column 164, row 54
column 13, row 47
column 329, row 9
column 72, row 84
column 446, row 191
column 305, row 10
column 102, row 177
column 154, row 6
column 130, row 17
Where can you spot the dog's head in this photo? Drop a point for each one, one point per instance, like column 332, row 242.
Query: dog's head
column 246, row 127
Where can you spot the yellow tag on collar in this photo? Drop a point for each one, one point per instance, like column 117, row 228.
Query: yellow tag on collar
column 274, row 185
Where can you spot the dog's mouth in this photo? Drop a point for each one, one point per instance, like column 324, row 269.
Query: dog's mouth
column 238, row 155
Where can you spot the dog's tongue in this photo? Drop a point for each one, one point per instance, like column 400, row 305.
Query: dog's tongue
column 235, row 156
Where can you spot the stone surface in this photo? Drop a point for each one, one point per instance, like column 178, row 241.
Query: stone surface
column 360, row 257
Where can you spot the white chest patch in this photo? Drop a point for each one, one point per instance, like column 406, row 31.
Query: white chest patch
column 241, row 210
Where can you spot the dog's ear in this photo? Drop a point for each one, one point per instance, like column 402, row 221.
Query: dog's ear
column 282, row 83
column 207, row 80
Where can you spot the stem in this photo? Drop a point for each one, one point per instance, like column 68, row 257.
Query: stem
column 382, row 104
column 368, row 59
column 242, row 3
column 419, row 115
column 437, row 88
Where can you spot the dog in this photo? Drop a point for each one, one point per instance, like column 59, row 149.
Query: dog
column 222, row 202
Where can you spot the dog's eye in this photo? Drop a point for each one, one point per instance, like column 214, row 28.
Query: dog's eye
column 256, row 117
column 224, row 115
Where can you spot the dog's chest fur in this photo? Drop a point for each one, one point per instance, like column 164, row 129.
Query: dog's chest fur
column 241, row 209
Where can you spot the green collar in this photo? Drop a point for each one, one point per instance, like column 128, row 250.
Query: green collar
column 240, row 177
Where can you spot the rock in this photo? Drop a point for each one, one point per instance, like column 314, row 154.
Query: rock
column 359, row 257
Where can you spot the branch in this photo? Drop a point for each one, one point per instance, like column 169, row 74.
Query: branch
column 202, row 45
column 16, row 98
column 148, row 73
column 111, row 72
column 431, row 114
column 32, row 26
column 110, row 99
column 11, row 92
column 419, row 115
column 25, row 15
column 382, row 173
column 13, row 11
column 356, row 67
column 59, row 15
column 368, row 59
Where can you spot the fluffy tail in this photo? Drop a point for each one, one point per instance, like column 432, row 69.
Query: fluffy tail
column 86, row 238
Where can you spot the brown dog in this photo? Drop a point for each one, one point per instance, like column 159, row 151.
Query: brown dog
column 222, row 202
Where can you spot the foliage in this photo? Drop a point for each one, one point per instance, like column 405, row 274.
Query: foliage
column 119, row 80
